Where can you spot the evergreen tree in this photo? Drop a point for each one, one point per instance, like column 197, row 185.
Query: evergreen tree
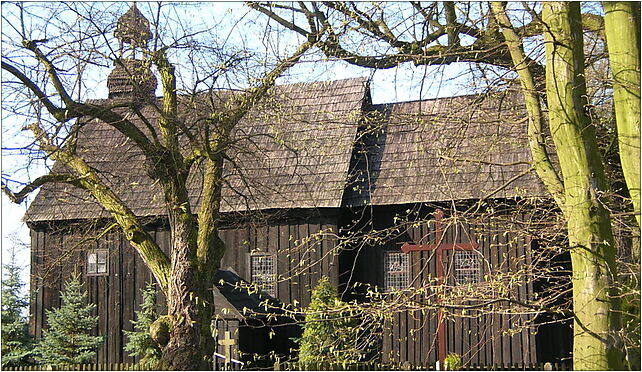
column 140, row 342
column 330, row 333
column 68, row 339
column 16, row 341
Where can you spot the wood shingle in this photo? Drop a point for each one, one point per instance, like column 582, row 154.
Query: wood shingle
column 291, row 151
column 465, row 147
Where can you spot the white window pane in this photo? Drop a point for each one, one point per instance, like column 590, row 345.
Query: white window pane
column 396, row 271
column 467, row 267
column 91, row 258
column 97, row 261
column 263, row 272
column 102, row 256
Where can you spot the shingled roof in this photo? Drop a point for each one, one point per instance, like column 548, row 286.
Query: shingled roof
column 292, row 151
column 465, row 147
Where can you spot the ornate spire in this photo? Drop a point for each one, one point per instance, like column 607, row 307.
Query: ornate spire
column 132, row 79
column 133, row 28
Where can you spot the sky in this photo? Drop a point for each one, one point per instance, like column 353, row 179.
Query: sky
column 392, row 85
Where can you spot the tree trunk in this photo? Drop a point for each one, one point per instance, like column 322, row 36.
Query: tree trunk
column 597, row 344
column 189, row 303
column 622, row 29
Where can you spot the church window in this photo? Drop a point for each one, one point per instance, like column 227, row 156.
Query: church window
column 263, row 272
column 467, row 267
column 97, row 262
column 396, row 271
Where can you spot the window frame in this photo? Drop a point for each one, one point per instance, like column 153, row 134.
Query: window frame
column 477, row 268
column 97, row 253
column 262, row 285
column 405, row 271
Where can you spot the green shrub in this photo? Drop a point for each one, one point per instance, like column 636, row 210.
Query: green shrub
column 330, row 331
column 17, row 344
column 139, row 341
column 68, row 339
column 452, row 362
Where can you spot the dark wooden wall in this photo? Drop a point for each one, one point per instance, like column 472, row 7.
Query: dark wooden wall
column 305, row 248
column 57, row 254
column 480, row 337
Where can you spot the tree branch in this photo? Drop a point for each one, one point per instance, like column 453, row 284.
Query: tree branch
column 541, row 160
column 54, row 110
column 51, row 71
column 19, row 197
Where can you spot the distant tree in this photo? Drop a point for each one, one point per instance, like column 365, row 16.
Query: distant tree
column 330, row 335
column 140, row 342
column 68, row 339
column 16, row 341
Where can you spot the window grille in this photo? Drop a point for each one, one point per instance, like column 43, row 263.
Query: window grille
column 97, row 262
column 396, row 271
column 467, row 267
column 263, row 272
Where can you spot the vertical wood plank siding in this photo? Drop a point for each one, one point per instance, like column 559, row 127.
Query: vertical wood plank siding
column 480, row 338
column 118, row 295
column 305, row 249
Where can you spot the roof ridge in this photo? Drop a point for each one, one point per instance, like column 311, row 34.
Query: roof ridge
column 472, row 95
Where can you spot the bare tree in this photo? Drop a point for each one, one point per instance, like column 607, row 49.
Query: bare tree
column 517, row 38
column 50, row 52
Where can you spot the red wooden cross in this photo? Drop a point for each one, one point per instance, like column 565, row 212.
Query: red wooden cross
column 439, row 248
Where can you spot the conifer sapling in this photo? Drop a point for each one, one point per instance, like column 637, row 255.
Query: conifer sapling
column 330, row 333
column 139, row 341
column 68, row 339
column 16, row 341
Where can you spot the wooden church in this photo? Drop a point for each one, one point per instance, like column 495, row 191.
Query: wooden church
column 325, row 183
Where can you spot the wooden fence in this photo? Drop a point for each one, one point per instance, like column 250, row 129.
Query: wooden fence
column 80, row 367
column 319, row 367
column 408, row 367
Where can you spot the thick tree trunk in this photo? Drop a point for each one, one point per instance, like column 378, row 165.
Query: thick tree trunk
column 540, row 159
column 597, row 345
column 189, row 303
column 622, row 29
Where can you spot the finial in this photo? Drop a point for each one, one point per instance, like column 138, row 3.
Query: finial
column 133, row 28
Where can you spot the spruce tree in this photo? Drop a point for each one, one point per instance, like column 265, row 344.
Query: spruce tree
column 68, row 339
column 139, row 341
column 16, row 341
column 330, row 333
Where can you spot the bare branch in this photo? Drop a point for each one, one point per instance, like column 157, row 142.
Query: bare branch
column 19, row 197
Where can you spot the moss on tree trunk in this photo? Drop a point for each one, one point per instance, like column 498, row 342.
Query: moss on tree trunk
column 622, row 29
column 597, row 345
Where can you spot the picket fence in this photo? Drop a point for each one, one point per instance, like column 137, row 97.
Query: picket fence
column 408, row 367
column 322, row 367
column 80, row 367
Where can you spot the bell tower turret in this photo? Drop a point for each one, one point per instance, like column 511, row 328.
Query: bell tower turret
column 132, row 78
